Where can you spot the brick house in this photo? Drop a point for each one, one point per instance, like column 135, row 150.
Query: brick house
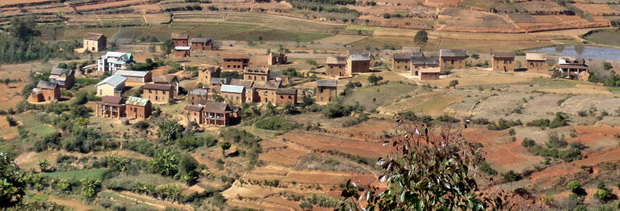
column 135, row 77
column 201, row 44
column 284, row 96
column 430, row 73
column 158, row 93
column 138, row 108
column 171, row 80
column 216, row 84
column 45, row 92
column 265, row 91
column 327, row 91
column 180, row 39
column 452, row 59
column 111, row 86
column 536, row 62
column 249, row 91
column 503, row 61
column 111, row 107
column 233, row 94
column 206, row 72
column 182, row 51
column 256, row 74
column 197, row 95
column 276, row 58
column 401, row 61
column 65, row 78
column 336, row 66
column 358, row 63
column 237, row 61
column 211, row 113
column 424, row 62
column 95, row 42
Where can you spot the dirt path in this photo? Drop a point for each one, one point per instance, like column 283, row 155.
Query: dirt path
column 72, row 203
column 159, row 204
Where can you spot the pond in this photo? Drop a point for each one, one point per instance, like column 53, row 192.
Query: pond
column 582, row 51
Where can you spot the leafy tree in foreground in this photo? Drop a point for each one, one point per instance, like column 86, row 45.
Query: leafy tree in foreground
column 12, row 187
column 429, row 169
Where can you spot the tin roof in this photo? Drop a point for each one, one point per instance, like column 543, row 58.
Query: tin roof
column 182, row 48
column 284, row 91
column 200, row 40
column 506, row 54
column 535, row 57
column 232, row 89
column 61, row 71
column 327, row 83
column 452, row 53
column 199, row 92
column 93, row 36
column 114, row 80
column 359, row 57
column 46, row 85
column 179, row 36
column 136, row 101
column 425, row 60
column 163, row 87
column 336, row 60
column 133, row 73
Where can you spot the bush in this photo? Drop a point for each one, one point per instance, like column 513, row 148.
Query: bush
column 336, row 110
column 541, row 123
column 11, row 121
column 503, row 124
column 275, row 123
column 486, row 168
column 511, row 176
column 528, row 143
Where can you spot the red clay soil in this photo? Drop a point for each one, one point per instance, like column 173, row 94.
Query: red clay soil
column 597, row 129
column 612, row 155
column 547, row 178
column 325, row 142
column 510, row 156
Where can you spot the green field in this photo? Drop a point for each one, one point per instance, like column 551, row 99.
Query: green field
column 605, row 37
column 32, row 124
column 82, row 174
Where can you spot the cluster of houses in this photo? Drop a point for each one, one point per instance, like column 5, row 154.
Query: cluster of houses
column 353, row 62
column 183, row 45
column 425, row 67
column 49, row 91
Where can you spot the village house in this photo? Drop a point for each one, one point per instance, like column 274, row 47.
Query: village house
column 206, row 72
column 284, row 96
column 111, row 107
column 138, row 108
column 201, row 44
column 158, row 93
column 536, row 62
column 401, row 61
column 336, row 66
column 135, row 77
column 265, row 91
column 94, row 42
column 503, row 61
column 180, row 39
column 276, row 58
column 65, row 78
column 573, row 68
column 238, row 61
column 182, row 51
column 212, row 114
column 249, row 91
column 113, row 61
column 197, row 95
column 358, row 63
column 216, row 84
column 256, row 74
column 452, row 59
column 429, row 73
column 424, row 62
column 233, row 94
column 327, row 91
column 45, row 92
column 111, row 86
column 171, row 80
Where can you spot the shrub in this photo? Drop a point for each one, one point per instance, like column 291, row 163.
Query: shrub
column 542, row 123
column 511, row 176
column 336, row 110
column 275, row 123
column 574, row 186
column 527, row 142
column 503, row 124
column 11, row 121
column 486, row 168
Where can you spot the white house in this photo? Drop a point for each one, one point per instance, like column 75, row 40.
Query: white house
column 113, row 61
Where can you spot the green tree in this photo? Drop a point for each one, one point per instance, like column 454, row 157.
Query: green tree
column 425, row 172
column 374, row 80
column 421, row 38
column 607, row 66
column 23, row 29
column 574, row 186
column 90, row 187
column 169, row 131
column 454, row 83
column 167, row 46
column 44, row 164
column 12, row 186
column 165, row 163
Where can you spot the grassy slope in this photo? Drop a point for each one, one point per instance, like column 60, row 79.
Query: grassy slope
column 82, row 174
